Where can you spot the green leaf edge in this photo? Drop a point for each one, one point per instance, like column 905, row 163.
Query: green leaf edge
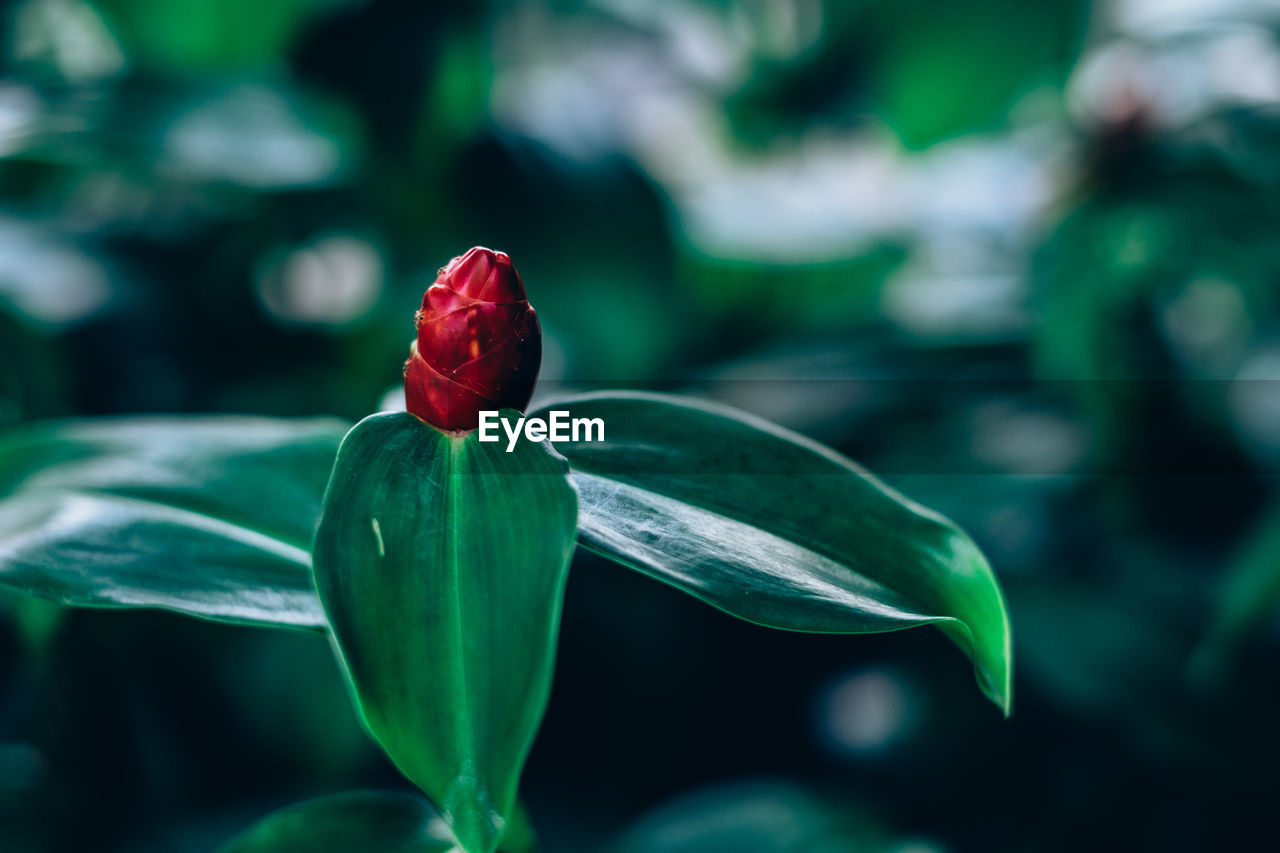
column 518, row 833
column 298, row 552
column 267, row 830
column 999, row 691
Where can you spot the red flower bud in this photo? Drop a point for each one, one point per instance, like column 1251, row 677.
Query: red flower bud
column 478, row 346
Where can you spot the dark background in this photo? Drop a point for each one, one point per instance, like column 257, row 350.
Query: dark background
column 1019, row 258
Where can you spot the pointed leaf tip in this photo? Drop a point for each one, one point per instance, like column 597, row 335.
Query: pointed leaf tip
column 777, row 529
column 446, row 612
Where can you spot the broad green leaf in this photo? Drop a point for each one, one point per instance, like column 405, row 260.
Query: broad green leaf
column 777, row 529
column 1249, row 595
column 355, row 822
column 441, row 562
column 209, row 516
column 363, row 822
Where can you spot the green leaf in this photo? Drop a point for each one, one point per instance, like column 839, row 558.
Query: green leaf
column 362, row 822
column 777, row 529
column 759, row 816
column 1248, row 596
column 355, row 822
column 210, row 516
column 966, row 70
column 201, row 36
column 441, row 562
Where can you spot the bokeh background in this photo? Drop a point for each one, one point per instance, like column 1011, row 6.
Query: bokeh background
column 1020, row 258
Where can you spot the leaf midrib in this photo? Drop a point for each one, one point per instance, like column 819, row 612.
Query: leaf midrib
column 456, row 450
column 249, row 536
column 911, row 614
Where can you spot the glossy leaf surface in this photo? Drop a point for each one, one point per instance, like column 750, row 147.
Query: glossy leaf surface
column 364, row 821
column 777, row 529
column 209, row 516
column 441, row 562
column 356, row 822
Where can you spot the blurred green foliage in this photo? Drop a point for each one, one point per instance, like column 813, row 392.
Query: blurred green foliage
column 1018, row 258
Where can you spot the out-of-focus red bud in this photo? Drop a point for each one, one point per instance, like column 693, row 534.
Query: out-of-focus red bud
column 478, row 346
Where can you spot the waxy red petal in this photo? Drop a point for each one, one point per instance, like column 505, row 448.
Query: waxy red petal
column 479, row 344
